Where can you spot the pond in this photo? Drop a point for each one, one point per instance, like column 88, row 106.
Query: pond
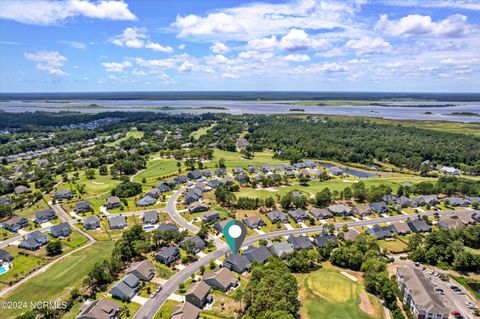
column 349, row 171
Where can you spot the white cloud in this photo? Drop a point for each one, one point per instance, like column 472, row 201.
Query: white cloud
column 43, row 12
column 186, row 66
column 158, row 47
column 335, row 52
column 451, row 4
column 182, row 46
column 134, row 37
column 297, row 58
column 75, row 44
column 332, row 67
column 258, row 20
column 297, row 40
column 9, row 43
column 156, row 63
column 454, row 26
column 368, row 46
column 219, row 47
column 116, row 67
column 49, row 61
column 263, row 44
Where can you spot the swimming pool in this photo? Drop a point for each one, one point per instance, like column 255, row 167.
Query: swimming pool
column 148, row 227
column 3, row 269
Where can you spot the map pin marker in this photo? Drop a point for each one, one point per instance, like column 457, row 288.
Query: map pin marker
column 235, row 233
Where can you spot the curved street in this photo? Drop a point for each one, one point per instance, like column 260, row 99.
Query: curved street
column 152, row 306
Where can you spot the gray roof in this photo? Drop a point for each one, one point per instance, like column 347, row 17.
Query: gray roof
column 300, row 242
column 150, row 216
column 239, row 261
column 91, row 220
column 276, row 215
column 115, row 221
column 167, row 226
column 422, row 291
column 100, row 309
column 320, row 213
column 281, row 249
column 418, row 225
column 259, row 254
column 298, row 214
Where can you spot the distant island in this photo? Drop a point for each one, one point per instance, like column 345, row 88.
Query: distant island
column 296, row 110
column 463, row 114
column 151, row 108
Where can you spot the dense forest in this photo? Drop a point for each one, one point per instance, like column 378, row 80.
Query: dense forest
column 360, row 141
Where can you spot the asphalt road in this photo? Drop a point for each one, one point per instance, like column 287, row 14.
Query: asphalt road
column 150, row 308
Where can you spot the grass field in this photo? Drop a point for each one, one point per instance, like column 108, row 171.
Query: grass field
column 132, row 133
column 233, row 159
column 29, row 212
column 334, row 185
column 394, row 246
column 328, row 294
column 166, row 310
column 157, row 168
column 58, row 280
column 202, row 131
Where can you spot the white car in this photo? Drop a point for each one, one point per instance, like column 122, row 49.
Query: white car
column 470, row 305
column 153, row 294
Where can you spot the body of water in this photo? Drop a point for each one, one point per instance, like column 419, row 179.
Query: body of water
column 401, row 110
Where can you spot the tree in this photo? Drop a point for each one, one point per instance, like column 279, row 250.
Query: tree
column 103, row 170
column 269, row 202
column 324, row 197
column 90, row 173
column 54, row 247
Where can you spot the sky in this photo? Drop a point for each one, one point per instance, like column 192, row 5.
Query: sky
column 209, row 45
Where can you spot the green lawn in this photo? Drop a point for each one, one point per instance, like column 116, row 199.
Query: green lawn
column 29, row 212
column 234, row 159
column 166, row 310
column 328, row 294
column 58, row 280
column 394, row 246
column 202, row 131
column 132, row 133
column 157, row 168
column 22, row 266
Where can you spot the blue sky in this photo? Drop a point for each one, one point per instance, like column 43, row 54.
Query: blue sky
column 306, row 45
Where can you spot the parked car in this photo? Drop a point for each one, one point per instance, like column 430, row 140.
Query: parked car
column 470, row 305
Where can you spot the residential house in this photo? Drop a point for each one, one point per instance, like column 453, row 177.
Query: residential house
column 252, row 169
column 44, row 216
column 180, row 179
column 419, row 294
column 221, row 171
column 194, row 175
column 257, row 254
column 242, row 178
column 198, row 243
column 429, row 199
column 167, row 227
column 20, row 189
column 405, row 202
column 362, row 210
column 197, row 207
column 210, row 216
column 265, row 168
column 91, row 222
column 126, row 288
column 144, row 270
column 379, row 207
column 100, row 309
column 456, row 201
column 15, row 223
column 61, row 230
column 340, row 210
column 190, row 198
column 473, row 199
column 164, row 187
column 450, row 222
column 221, row 279
column 389, row 198
column 254, row 222
column 153, row 192
column 220, row 225
column 83, row 207
column 281, row 249
column 185, row 310
column 276, row 216
column 112, row 202
column 117, row 222
column 351, row 234
column 34, row 241
column 241, row 143
column 418, row 225
column 298, row 215
column 199, row 294
column 150, row 217
column 320, row 213
column 237, row 170
column 5, row 256
column 146, row 201
column 380, row 232
column 207, row 173
column 236, row 262
column 168, row 255
column 300, row 242
column 450, row 170
column 400, row 228
column 324, row 239
column 213, row 183
column 63, row 194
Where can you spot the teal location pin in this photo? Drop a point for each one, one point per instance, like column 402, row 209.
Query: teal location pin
column 235, row 233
